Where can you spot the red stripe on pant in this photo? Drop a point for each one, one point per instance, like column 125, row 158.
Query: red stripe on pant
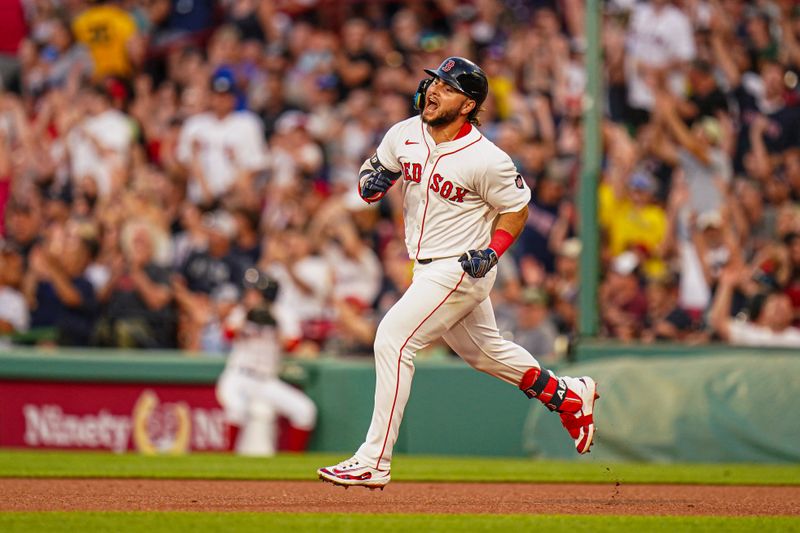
column 399, row 358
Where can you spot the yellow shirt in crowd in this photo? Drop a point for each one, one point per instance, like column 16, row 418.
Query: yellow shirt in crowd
column 106, row 30
column 502, row 89
column 628, row 226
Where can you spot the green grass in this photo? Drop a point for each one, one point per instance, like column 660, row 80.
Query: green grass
column 243, row 522
column 19, row 463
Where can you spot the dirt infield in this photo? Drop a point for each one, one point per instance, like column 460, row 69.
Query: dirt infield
column 307, row 496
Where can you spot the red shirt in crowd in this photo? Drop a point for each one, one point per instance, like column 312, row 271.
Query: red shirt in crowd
column 12, row 26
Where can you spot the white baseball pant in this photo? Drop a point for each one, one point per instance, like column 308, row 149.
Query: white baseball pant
column 442, row 301
column 237, row 391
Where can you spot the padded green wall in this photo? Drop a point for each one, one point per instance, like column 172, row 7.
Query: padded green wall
column 669, row 403
column 707, row 408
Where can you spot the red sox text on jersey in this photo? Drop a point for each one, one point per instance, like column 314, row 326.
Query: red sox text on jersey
column 452, row 191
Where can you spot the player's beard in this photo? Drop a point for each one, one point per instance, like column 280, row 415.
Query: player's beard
column 444, row 118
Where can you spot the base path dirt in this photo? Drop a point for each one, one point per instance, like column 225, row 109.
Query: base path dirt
column 307, row 496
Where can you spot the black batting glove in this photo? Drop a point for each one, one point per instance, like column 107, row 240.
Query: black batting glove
column 477, row 263
column 375, row 185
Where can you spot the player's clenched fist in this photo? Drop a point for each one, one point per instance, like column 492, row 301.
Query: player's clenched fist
column 477, row 263
column 375, row 184
column 375, row 179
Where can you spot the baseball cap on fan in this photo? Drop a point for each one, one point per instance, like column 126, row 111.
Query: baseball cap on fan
column 709, row 220
column 223, row 82
column 625, row 263
column 643, row 181
column 220, row 222
column 570, row 248
column 290, row 121
column 534, row 296
column 225, row 293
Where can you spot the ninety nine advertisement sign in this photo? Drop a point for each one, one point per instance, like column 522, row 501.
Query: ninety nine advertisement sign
column 109, row 416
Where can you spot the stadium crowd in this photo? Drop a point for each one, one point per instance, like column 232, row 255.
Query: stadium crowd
column 151, row 152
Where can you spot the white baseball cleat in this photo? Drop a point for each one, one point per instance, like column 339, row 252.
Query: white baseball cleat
column 580, row 424
column 354, row 473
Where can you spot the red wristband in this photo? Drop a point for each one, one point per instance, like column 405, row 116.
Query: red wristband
column 501, row 240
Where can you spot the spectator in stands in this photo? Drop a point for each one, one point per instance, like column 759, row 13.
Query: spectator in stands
column 217, row 264
column 110, row 34
column 355, row 325
column 247, row 243
column 715, row 245
column 544, row 211
column 14, row 315
column 706, row 99
column 661, row 45
column 139, row 311
column 793, row 279
column 706, row 167
column 354, row 63
column 24, row 225
column 14, row 27
column 562, row 285
column 306, row 284
column 56, row 287
column 193, row 19
column 623, row 303
column 222, row 149
column 772, row 326
column 355, row 266
column 534, row 329
column 398, row 269
column 666, row 320
column 55, row 61
column 99, row 144
column 633, row 220
column 296, row 155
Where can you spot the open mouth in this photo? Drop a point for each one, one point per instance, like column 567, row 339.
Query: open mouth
column 433, row 104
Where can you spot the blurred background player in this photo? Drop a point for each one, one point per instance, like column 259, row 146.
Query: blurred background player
column 249, row 389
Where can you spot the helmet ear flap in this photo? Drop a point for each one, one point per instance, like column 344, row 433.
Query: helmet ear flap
column 419, row 96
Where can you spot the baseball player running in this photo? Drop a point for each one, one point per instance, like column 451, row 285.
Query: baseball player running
column 464, row 204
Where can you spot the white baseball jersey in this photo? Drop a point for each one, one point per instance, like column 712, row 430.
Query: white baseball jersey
column 452, row 191
column 256, row 348
column 226, row 146
column 251, row 376
column 113, row 131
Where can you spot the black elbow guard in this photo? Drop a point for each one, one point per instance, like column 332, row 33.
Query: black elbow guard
column 379, row 167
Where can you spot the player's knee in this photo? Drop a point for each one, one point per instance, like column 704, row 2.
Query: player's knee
column 262, row 410
column 306, row 415
column 385, row 345
column 235, row 416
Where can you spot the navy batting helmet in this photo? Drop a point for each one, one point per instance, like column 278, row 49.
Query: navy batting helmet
column 465, row 76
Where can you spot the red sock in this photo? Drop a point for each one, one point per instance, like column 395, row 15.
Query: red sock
column 296, row 439
column 233, row 434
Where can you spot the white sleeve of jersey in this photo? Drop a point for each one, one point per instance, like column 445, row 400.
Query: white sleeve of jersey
column 249, row 144
column 387, row 150
column 501, row 186
column 682, row 38
column 185, row 139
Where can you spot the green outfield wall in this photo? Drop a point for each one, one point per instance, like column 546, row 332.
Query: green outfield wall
column 713, row 407
column 667, row 403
